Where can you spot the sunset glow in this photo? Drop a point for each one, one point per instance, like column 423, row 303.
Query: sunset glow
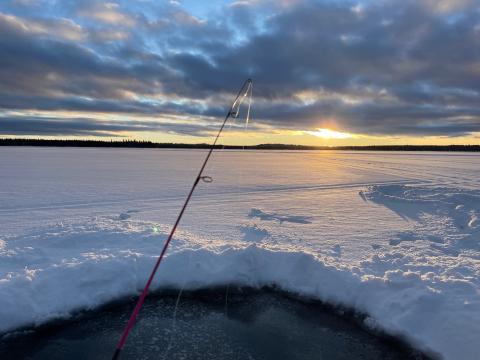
column 330, row 134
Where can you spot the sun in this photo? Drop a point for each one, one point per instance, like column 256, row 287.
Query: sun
column 330, row 134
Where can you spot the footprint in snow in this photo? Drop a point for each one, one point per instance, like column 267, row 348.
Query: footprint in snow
column 337, row 251
column 253, row 233
column 123, row 216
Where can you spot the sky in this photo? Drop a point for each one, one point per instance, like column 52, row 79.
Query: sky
column 325, row 72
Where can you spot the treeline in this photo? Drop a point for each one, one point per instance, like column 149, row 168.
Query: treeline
column 150, row 144
column 469, row 148
column 98, row 143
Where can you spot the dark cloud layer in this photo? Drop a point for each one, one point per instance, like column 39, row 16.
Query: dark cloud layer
column 33, row 125
column 387, row 68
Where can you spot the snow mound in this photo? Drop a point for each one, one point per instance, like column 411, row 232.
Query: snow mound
column 454, row 212
column 437, row 265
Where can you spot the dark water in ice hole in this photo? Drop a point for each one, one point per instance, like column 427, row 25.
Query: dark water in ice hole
column 250, row 325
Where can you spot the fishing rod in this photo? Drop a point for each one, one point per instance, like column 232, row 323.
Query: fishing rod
column 233, row 112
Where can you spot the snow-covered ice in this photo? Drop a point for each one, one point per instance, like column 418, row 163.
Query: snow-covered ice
column 393, row 235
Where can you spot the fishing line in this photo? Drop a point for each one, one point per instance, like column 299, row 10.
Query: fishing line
column 233, row 112
column 249, row 106
column 207, row 179
column 175, row 310
column 174, row 323
column 241, row 177
column 226, row 299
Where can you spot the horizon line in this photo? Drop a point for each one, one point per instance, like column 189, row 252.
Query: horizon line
column 133, row 143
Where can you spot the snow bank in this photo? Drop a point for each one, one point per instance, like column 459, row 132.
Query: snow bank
column 422, row 285
column 435, row 266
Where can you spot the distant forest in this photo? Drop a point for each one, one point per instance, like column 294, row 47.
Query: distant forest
column 149, row 144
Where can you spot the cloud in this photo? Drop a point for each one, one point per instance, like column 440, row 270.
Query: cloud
column 106, row 12
column 449, row 6
column 34, row 125
column 26, row 2
column 61, row 28
column 184, row 18
column 385, row 68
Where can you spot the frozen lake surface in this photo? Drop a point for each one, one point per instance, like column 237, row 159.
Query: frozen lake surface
column 395, row 236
